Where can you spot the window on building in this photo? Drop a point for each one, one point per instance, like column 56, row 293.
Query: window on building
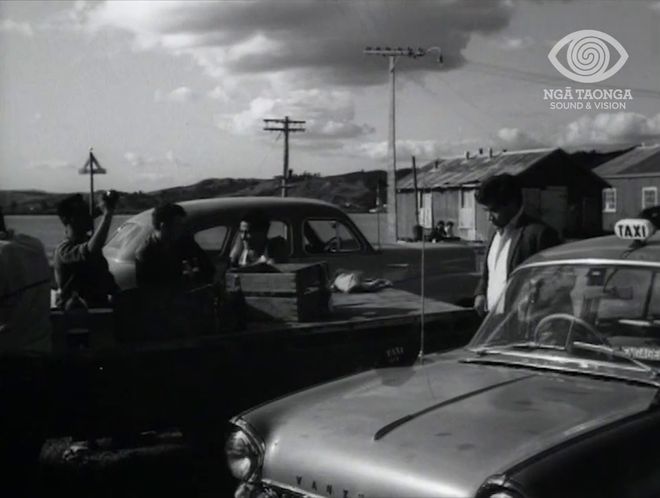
column 609, row 200
column 649, row 197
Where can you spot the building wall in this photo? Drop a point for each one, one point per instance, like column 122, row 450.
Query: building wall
column 561, row 191
column 445, row 206
column 628, row 198
column 406, row 206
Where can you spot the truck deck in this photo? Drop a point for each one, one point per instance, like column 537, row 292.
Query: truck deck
column 97, row 385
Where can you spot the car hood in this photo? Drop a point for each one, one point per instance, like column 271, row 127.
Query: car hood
column 436, row 430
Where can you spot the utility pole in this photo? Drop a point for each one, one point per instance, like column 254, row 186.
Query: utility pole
column 92, row 167
column 394, row 54
column 286, row 126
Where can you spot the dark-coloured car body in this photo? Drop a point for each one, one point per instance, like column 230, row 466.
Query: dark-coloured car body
column 451, row 267
column 541, row 404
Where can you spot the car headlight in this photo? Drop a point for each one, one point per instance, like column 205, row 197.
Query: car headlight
column 499, row 486
column 244, row 453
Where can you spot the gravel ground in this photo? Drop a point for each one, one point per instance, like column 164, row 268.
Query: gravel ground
column 151, row 465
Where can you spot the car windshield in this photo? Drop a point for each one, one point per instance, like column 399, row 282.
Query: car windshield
column 602, row 312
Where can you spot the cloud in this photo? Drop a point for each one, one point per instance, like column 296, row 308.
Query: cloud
column 516, row 139
column 423, row 150
column 513, row 43
column 172, row 158
column 322, row 40
column 219, row 93
column 137, row 160
column 610, row 128
column 179, row 95
column 51, row 164
column 11, row 26
column 328, row 115
column 655, row 6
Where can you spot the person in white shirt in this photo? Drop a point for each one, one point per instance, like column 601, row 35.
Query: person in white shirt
column 517, row 236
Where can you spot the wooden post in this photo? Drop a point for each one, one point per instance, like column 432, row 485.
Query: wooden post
column 91, row 167
column 417, row 203
column 392, row 227
column 91, row 183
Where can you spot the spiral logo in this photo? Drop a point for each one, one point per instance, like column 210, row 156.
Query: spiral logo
column 588, row 56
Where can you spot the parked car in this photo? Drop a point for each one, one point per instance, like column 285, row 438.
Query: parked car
column 313, row 231
column 555, row 396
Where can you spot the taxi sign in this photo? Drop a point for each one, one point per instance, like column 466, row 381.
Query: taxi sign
column 634, row 229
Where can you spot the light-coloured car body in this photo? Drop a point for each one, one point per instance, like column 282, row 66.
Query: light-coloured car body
column 556, row 395
column 451, row 268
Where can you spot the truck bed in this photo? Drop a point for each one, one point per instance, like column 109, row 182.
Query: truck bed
column 104, row 386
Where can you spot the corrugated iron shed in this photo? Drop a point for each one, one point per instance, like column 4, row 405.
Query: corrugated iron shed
column 461, row 171
column 642, row 160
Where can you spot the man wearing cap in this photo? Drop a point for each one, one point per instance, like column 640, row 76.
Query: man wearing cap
column 81, row 270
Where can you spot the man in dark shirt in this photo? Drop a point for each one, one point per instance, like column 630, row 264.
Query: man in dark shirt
column 174, row 275
column 169, row 259
column 80, row 268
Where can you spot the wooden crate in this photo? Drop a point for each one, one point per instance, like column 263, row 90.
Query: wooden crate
column 284, row 292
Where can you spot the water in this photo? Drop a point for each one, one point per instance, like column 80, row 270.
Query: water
column 49, row 230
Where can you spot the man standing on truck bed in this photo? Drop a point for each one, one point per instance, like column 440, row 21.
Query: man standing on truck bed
column 517, row 237
column 174, row 276
column 81, row 270
column 170, row 259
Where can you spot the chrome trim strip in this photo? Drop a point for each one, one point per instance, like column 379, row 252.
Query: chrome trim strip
column 589, row 261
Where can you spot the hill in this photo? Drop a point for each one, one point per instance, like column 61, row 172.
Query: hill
column 353, row 191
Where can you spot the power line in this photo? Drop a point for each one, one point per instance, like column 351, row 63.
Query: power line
column 287, row 126
column 475, row 122
column 531, row 77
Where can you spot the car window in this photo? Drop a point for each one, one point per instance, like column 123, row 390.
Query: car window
column 624, row 294
column 329, row 236
column 212, row 239
column 279, row 238
column 279, row 235
column 124, row 235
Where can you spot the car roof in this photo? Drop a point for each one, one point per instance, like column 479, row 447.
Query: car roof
column 239, row 206
column 608, row 247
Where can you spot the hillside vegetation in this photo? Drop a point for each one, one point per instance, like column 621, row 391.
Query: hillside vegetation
column 352, row 191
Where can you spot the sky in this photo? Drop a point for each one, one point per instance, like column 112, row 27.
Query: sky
column 171, row 93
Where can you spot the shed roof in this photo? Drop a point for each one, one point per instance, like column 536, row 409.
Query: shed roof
column 461, row 171
column 640, row 160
